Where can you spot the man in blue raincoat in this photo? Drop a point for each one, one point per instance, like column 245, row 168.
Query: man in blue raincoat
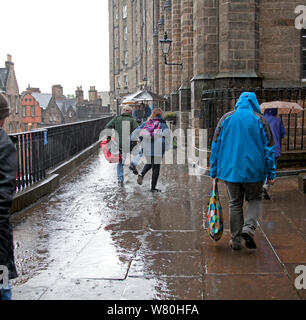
column 243, row 155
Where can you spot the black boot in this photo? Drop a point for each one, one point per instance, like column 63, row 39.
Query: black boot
column 133, row 168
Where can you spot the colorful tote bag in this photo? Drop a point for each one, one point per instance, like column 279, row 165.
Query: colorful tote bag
column 214, row 217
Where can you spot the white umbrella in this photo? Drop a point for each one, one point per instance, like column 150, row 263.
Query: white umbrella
column 146, row 95
column 129, row 99
column 283, row 107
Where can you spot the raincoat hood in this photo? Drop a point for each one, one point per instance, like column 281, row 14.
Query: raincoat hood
column 248, row 99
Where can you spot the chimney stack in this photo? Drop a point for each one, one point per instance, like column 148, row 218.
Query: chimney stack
column 57, row 91
column 9, row 63
column 93, row 94
column 79, row 96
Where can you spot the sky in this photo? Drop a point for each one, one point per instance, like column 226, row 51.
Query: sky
column 56, row 42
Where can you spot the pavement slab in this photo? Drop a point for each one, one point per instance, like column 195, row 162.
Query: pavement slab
column 92, row 239
column 167, row 264
column 249, row 287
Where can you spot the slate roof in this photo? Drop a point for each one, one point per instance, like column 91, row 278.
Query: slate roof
column 65, row 104
column 42, row 98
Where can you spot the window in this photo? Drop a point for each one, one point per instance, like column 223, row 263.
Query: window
column 116, row 38
column 24, row 111
column 118, row 82
column 125, row 33
column 124, row 11
column 32, row 111
column 126, row 81
column 126, row 57
column 116, row 14
column 303, row 58
column 16, row 105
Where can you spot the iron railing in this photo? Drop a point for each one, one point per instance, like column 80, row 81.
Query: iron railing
column 217, row 102
column 43, row 149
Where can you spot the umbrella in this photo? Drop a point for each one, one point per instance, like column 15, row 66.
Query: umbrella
column 283, row 107
column 146, row 95
column 129, row 99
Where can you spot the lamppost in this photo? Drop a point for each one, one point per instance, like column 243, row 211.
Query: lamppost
column 165, row 44
column 117, row 106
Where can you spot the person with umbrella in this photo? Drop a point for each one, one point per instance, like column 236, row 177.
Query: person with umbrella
column 278, row 133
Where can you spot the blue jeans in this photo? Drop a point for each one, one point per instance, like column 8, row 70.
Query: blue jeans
column 120, row 167
column 6, row 294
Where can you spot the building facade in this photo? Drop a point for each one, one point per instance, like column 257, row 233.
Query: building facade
column 221, row 44
column 9, row 87
column 31, row 113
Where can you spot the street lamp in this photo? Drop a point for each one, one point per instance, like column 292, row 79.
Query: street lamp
column 165, row 44
column 117, row 106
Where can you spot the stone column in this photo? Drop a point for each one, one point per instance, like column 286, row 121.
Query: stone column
column 176, row 54
column 156, row 52
column 187, row 53
column 168, row 68
column 205, row 47
column 187, row 60
column 238, row 43
column 205, row 66
column 161, row 31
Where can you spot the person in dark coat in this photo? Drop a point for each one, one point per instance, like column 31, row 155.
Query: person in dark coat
column 8, row 172
column 278, row 133
column 155, row 140
column 117, row 124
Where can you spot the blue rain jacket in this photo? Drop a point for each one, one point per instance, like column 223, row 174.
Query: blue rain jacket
column 243, row 149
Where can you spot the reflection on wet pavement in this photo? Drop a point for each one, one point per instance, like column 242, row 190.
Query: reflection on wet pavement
column 92, row 239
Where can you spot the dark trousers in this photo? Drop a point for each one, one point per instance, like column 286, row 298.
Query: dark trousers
column 155, row 166
column 238, row 222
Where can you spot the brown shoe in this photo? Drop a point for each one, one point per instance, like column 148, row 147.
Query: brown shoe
column 139, row 179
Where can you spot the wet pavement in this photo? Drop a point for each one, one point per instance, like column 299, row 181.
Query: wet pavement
column 92, row 239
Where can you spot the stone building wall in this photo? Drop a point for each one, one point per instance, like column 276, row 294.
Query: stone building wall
column 280, row 43
column 235, row 43
column 13, row 123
